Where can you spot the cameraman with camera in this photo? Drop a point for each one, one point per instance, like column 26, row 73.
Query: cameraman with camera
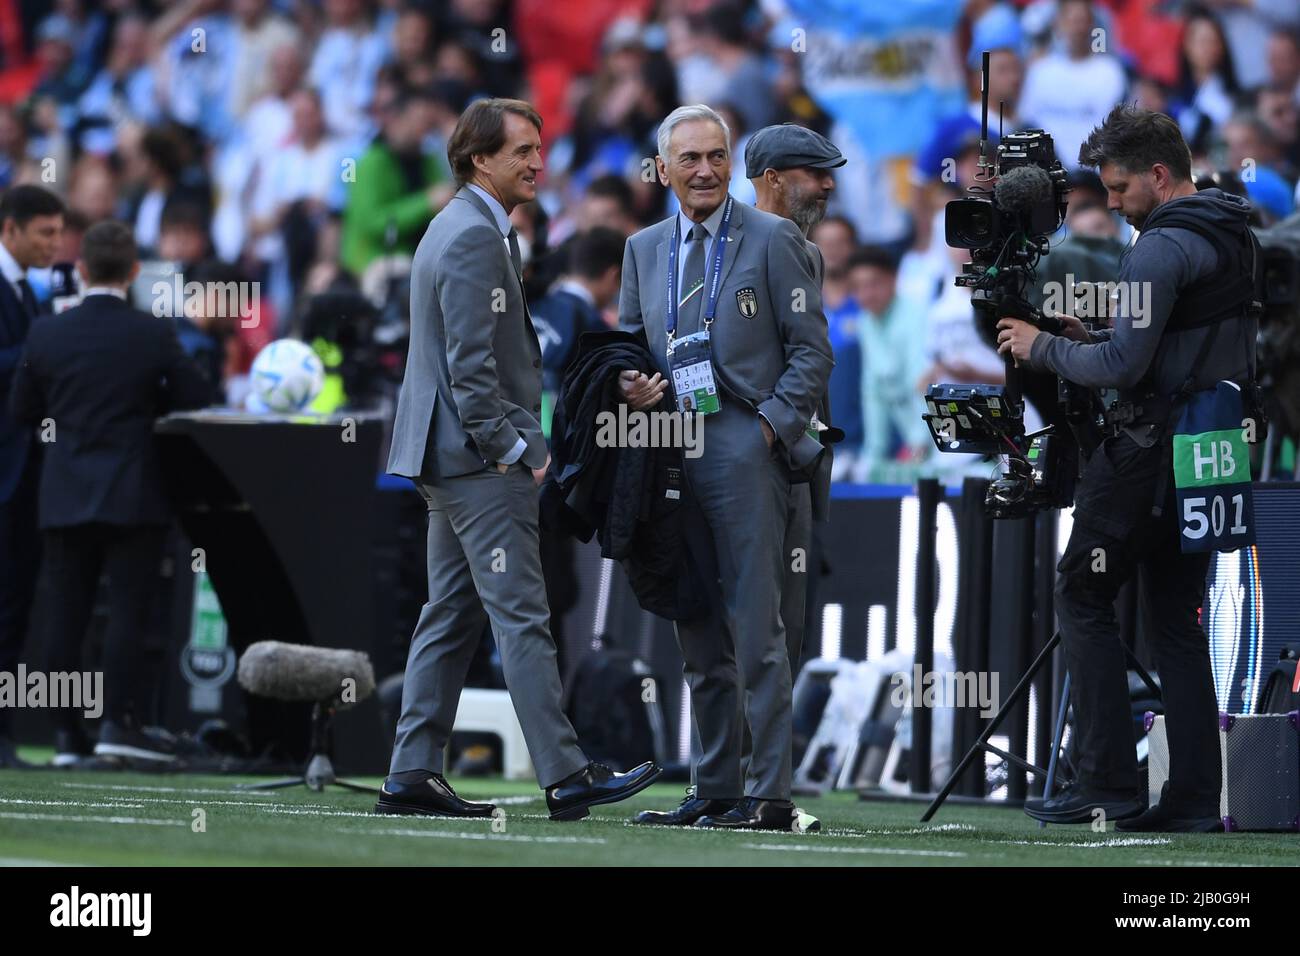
column 1193, row 269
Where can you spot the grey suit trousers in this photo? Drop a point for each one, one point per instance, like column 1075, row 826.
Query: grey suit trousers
column 736, row 659
column 794, row 603
column 484, row 565
column 794, row 591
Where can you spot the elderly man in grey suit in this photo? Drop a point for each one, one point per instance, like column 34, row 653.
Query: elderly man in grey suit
column 744, row 277
column 467, row 434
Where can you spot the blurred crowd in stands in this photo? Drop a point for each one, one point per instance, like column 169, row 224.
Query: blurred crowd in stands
column 301, row 145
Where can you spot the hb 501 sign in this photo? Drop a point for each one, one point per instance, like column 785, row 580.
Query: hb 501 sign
column 1212, row 473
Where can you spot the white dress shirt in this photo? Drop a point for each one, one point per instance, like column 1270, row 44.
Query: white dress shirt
column 11, row 270
column 105, row 290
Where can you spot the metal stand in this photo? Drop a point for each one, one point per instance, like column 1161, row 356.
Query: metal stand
column 1022, row 688
column 319, row 772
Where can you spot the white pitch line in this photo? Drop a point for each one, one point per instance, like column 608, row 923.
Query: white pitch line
column 60, row 818
column 312, row 808
column 365, row 814
column 914, row 831
column 731, row 834
column 126, row 786
column 882, row 850
column 1193, row 863
column 510, row 801
column 24, row 861
column 113, row 805
column 1086, row 845
column 290, row 810
column 370, row 815
column 264, row 803
column 503, row 837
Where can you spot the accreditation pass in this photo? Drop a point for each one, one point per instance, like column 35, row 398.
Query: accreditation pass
column 692, row 368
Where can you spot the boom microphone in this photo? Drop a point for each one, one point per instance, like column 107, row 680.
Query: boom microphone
column 1022, row 188
column 299, row 672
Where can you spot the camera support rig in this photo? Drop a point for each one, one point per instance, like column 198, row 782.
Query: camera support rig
column 1017, row 201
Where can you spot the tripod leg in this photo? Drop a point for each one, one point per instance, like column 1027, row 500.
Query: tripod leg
column 1144, row 674
column 1021, row 688
column 273, row 784
column 358, row 787
column 1057, row 734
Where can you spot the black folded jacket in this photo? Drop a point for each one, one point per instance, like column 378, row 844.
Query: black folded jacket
column 630, row 497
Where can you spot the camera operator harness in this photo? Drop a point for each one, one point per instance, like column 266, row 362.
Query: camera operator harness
column 1204, row 431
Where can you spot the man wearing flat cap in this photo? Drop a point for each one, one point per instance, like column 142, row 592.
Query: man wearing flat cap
column 790, row 167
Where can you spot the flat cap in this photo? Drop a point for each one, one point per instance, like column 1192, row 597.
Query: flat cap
column 788, row 146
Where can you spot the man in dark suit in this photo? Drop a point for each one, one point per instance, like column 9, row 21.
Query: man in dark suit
column 468, row 434
column 574, row 304
column 31, row 224
column 93, row 380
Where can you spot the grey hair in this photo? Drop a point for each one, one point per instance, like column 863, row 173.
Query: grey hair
column 684, row 114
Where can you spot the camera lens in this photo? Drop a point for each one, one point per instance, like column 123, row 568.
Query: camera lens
column 970, row 223
column 980, row 225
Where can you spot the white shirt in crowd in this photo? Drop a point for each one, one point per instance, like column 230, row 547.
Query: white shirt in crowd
column 293, row 173
column 1069, row 97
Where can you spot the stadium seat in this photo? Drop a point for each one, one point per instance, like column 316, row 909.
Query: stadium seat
column 491, row 711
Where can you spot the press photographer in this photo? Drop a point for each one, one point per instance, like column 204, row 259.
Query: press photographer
column 1148, row 497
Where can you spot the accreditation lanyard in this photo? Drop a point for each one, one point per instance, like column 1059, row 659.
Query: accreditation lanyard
column 715, row 273
column 689, row 359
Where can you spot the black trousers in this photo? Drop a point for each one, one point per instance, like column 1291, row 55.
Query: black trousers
column 74, row 559
column 1114, row 537
column 19, row 559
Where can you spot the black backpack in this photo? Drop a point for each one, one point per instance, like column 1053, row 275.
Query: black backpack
column 611, row 702
column 1277, row 695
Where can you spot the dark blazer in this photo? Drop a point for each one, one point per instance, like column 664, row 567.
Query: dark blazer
column 559, row 318
column 15, row 440
column 102, row 372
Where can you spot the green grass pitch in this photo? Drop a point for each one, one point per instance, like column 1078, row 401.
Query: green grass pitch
column 126, row 819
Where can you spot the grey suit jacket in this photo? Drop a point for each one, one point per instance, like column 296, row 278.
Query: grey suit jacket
column 473, row 382
column 821, row 480
column 779, row 361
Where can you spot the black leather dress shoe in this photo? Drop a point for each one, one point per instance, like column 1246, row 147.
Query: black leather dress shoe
column 1171, row 815
column 753, row 813
column 431, row 796
column 1077, row 805
column 687, row 812
column 594, row 784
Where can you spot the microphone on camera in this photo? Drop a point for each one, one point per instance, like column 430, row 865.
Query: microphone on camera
column 1021, row 189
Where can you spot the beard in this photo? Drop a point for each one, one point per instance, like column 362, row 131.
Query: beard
column 807, row 211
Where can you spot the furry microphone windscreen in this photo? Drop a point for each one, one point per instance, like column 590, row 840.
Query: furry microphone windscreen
column 1022, row 188
column 299, row 672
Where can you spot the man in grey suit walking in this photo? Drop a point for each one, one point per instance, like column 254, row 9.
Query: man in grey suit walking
column 743, row 277
column 467, row 433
